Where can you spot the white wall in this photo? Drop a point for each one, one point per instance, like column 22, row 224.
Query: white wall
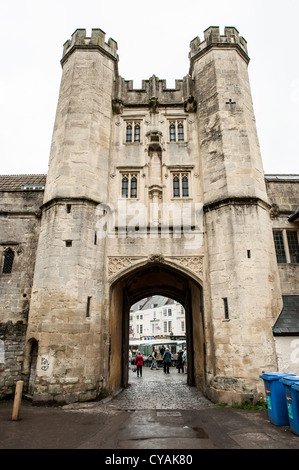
column 287, row 349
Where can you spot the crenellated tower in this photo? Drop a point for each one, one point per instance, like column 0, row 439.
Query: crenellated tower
column 227, row 129
column 69, row 279
column 243, row 294
column 79, row 159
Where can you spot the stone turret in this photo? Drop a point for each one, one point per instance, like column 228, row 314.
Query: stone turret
column 79, row 156
column 229, row 144
column 96, row 41
column 70, row 267
column 240, row 259
column 212, row 37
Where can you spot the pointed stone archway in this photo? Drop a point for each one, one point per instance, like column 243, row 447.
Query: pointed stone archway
column 155, row 278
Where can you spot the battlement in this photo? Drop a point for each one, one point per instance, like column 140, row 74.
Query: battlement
column 212, row 37
column 95, row 41
column 153, row 87
column 153, row 93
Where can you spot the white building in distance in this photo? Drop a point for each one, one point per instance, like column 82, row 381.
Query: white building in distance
column 157, row 317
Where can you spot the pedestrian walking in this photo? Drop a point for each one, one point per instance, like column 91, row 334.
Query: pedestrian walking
column 184, row 357
column 166, row 360
column 139, row 363
column 154, row 364
column 180, row 361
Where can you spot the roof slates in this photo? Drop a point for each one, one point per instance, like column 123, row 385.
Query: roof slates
column 288, row 320
column 15, row 182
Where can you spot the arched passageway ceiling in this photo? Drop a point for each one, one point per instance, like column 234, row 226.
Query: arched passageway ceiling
column 156, row 279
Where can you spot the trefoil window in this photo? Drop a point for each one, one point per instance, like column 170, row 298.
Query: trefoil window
column 133, row 131
column 129, row 186
column 176, row 131
column 180, row 184
column 137, row 133
column 124, row 187
column 172, row 133
column 180, row 133
column 129, row 133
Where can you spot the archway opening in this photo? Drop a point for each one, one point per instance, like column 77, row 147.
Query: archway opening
column 157, row 323
column 155, row 278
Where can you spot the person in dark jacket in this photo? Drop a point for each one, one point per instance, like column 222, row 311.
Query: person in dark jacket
column 180, row 361
column 166, row 360
column 139, row 363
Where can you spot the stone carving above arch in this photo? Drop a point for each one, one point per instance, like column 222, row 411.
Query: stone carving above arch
column 194, row 264
column 118, row 263
column 156, row 258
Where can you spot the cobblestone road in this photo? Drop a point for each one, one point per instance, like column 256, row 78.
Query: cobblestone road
column 156, row 390
column 153, row 391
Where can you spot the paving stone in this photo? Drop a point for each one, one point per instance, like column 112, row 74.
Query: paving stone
column 159, row 391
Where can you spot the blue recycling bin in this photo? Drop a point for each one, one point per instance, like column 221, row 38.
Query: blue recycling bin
column 295, row 402
column 291, row 388
column 275, row 396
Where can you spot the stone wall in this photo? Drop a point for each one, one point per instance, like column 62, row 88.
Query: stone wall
column 19, row 230
column 12, row 336
column 283, row 194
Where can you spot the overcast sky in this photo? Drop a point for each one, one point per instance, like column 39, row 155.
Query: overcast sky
column 153, row 38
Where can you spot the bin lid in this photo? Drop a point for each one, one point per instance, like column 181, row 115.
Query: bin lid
column 290, row 380
column 274, row 375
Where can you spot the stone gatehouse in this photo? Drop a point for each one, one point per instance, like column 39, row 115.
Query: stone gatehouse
column 150, row 191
